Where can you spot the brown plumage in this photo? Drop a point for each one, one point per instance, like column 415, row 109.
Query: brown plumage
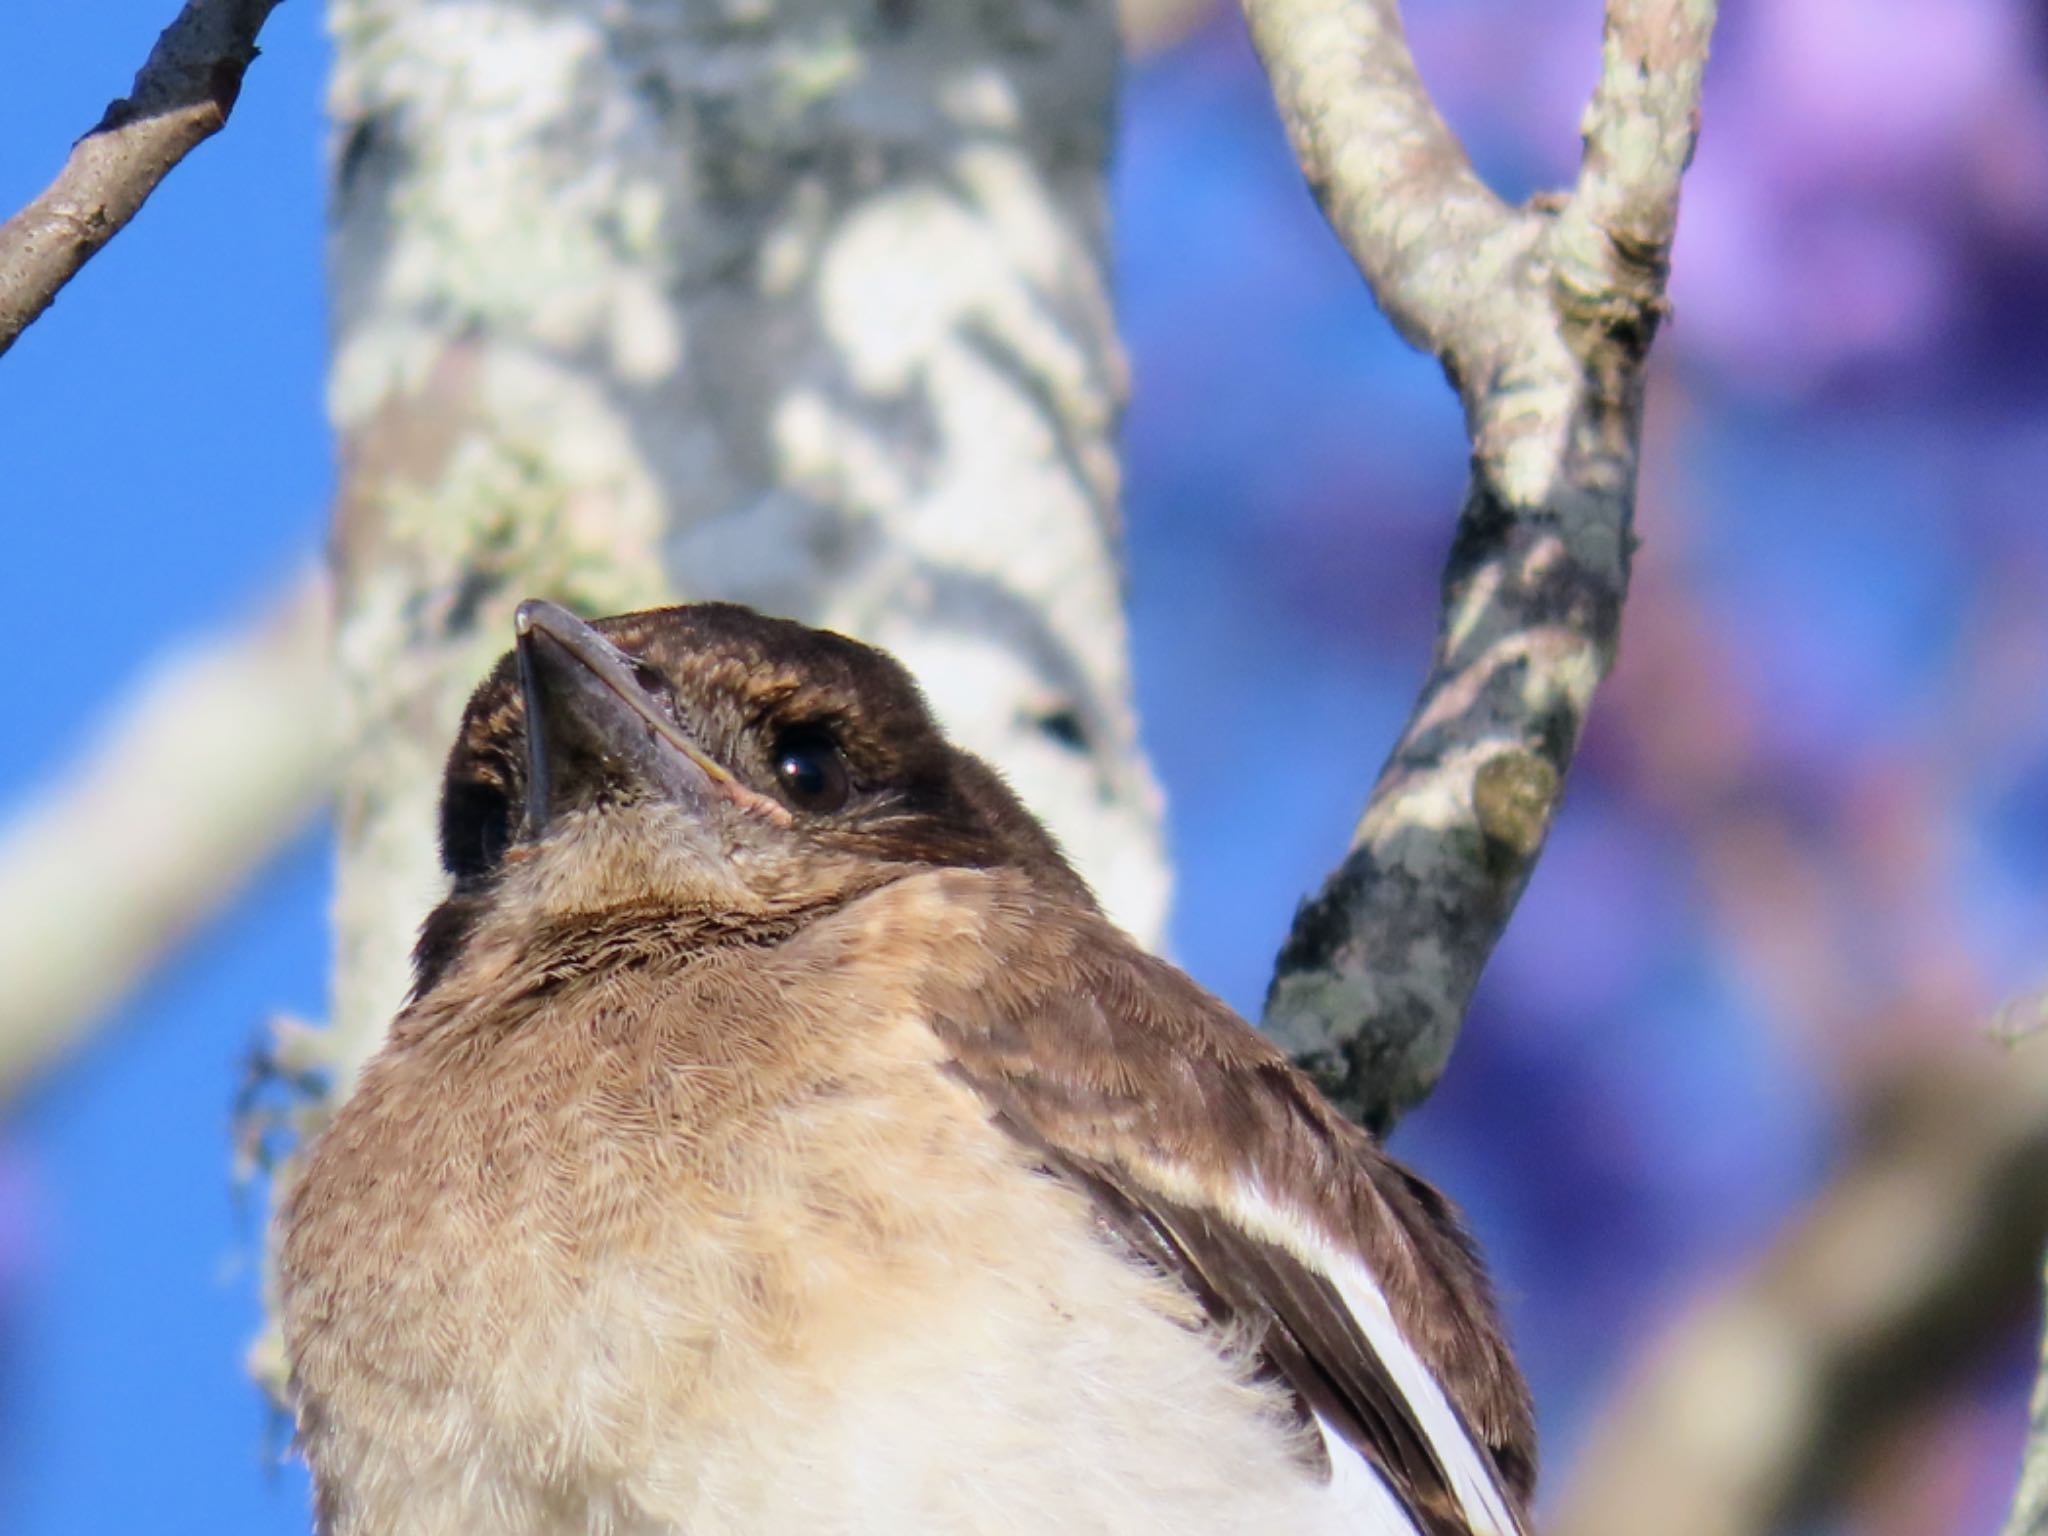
column 779, row 1138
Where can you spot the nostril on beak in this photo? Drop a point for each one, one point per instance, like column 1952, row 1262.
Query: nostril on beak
column 656, row 687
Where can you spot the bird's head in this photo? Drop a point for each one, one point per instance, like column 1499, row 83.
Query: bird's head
column 709, row 761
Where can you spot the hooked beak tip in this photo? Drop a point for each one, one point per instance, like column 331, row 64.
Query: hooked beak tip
column 550, row 618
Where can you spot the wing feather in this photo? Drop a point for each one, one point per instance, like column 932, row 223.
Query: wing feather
column 1211, row 1159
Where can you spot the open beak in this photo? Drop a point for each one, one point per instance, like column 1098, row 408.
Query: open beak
column 589, row 720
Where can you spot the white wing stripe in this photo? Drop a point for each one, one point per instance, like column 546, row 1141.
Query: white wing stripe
column 1359, row 1497
column 1471, row 1478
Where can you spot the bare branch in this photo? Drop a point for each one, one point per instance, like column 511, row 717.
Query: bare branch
column 1543, row 318
column 1391, row 177
column 1614, row 235
column 182, row 96
column 222, row 755
column 1772, row 1395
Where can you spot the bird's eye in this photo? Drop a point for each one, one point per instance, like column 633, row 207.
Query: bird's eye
column 810, row 770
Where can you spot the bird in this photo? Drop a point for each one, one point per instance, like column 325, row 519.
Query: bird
column 779, row 1138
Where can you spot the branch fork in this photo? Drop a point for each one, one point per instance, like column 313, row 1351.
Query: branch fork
column 1542, row 317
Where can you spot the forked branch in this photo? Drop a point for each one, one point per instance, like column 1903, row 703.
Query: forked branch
column 1543, row 317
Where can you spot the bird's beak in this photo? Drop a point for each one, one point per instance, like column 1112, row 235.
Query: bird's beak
column 589, row 718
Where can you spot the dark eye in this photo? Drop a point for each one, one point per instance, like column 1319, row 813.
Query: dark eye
column 810, row 770
column 476, row 827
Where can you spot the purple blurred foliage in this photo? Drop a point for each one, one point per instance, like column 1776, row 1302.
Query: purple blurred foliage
column 1869, row 168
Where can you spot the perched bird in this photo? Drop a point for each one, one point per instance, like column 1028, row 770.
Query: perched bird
column 779, row 1139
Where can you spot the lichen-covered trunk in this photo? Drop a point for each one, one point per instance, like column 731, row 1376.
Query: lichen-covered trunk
column 794, row 302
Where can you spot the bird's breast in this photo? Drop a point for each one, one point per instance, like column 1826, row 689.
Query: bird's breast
column 726, row 1250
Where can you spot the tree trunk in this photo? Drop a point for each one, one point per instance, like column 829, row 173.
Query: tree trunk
column 784, row 301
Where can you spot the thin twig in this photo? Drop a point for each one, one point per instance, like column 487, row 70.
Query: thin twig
column 1542, row 317
column 220, row 757
column 182, row 96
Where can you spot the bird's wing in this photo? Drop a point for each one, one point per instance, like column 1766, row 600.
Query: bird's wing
column 1205, row 1152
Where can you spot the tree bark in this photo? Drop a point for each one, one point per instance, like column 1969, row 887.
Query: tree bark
column 782, row 301
column 1542, row 317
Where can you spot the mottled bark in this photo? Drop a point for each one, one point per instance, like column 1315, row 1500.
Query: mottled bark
column 1543, row 317
column 181, row 97
column 786, row 301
